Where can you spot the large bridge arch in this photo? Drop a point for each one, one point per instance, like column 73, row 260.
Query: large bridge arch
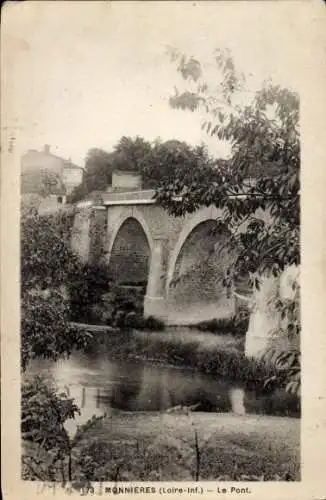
column 194, row 289
column 191, row 222
column 130, row 251
column 120, row 217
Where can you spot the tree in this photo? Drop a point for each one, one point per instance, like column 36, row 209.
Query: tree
column 132, row 153
column 157, row 162
column 261, row 175
column 45, row 310
column 97, row 176
column 44, row 242
column 99, row 165
column 154, row 161
column 168, row 158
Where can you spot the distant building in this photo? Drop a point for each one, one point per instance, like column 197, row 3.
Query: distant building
column 49, row 178
column 125, row 181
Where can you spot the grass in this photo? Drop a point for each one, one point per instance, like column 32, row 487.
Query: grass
column 222, row 360
column 161, row 447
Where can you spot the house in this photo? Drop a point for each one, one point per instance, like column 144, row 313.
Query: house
column 48, row 178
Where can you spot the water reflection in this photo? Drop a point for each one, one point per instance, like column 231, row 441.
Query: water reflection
column 100, row 385
column 237, row 396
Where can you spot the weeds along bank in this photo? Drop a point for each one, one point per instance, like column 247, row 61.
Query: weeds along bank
column 219, row 356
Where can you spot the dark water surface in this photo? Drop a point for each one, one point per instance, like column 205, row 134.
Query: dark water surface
column 100, row 385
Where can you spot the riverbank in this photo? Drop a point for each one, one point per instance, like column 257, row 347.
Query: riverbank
column 219, row 355
column 151, row 446
column 140, row 439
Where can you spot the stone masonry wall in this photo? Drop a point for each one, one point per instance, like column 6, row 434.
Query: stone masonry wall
column 80, row 234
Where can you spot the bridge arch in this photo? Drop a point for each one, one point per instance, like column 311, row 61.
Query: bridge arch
column 123, row 216
column 130, row 250
column 204, row 215
column 195, row 280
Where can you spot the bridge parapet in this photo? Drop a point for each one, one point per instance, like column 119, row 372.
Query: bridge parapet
column 141, row 197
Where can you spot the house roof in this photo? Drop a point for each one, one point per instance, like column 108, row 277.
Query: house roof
column 67, row 163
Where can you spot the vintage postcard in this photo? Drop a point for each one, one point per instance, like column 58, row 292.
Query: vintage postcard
column 163, row 242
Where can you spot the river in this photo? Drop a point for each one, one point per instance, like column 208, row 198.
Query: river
column 101, row 385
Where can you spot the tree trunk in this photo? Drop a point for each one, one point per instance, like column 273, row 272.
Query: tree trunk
column 265, row 324
column 69, row 466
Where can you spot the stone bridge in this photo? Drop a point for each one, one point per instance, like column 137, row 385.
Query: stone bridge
column 178, row 259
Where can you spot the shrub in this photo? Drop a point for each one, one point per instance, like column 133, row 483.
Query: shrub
column 86, row 287
column 100, row 314
column 46, row 331
column 126, row 303
column 131, row 319
column 49, row 450
column 135, row 320
column 154, row 324
column 236, row 325
column 44, row 412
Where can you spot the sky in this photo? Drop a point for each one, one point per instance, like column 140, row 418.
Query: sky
column 86, row 73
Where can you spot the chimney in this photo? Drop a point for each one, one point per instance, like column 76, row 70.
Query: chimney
column 47, row 148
